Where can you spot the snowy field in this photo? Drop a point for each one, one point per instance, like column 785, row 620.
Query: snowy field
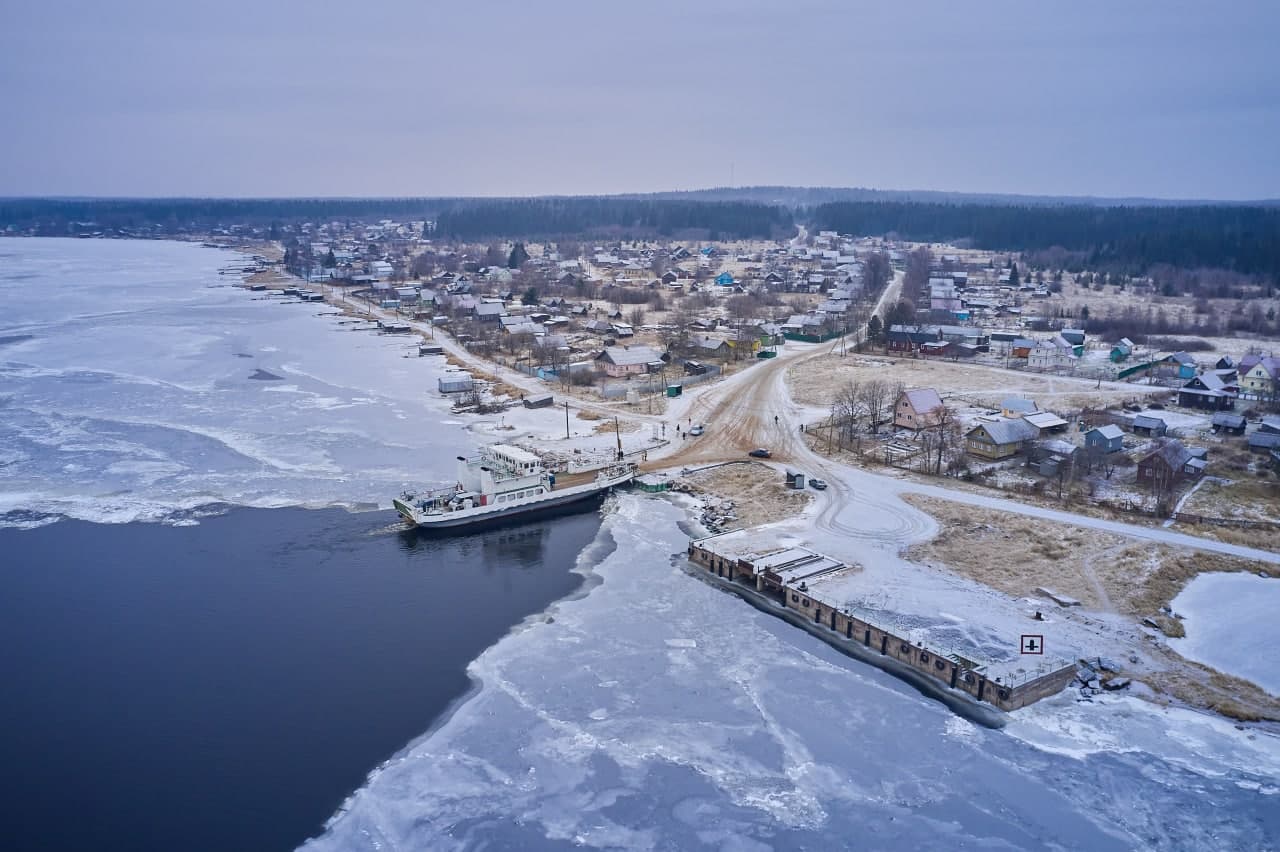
column 656, row 712
column 1232, row 625
column 127, row 384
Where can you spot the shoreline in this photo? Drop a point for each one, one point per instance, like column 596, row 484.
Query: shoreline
column 470, row 362
column 588, row 559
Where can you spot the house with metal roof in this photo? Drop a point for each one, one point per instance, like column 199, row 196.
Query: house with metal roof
column 1168, row 465
column 1208, row 390
column 1145, row 424
column 1180, row 364
column 917, row 409
column 1262, row 379
column 1046, row 421
column 1232, row 424
column 999, row 438
column 1107, row 439
column 1016, row 406
column 620, row 361
column 1122, row 350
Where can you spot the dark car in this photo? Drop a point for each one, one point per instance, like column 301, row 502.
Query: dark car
column 760, row 453
column 819, row 484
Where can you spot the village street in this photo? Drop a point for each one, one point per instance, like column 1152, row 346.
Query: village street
column 753, row 408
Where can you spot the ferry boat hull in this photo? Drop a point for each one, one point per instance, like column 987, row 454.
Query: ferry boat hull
column 575, row 498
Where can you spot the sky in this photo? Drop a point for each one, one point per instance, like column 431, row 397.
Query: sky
column 416, row 97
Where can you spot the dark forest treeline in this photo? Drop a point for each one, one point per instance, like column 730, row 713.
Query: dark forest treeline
column 1130, row 239
column 63, row 215
column 552, row 217
column 457, row 218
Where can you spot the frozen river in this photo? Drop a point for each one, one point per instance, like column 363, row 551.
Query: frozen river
column 137, row 382
column 657, row 712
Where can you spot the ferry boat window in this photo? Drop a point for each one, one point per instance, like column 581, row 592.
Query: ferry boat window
column 794, row 597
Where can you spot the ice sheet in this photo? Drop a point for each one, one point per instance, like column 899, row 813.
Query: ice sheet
column 659, row 713
column 128, row 391
column 1232, row 625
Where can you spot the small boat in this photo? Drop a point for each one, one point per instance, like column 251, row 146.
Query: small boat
column 501, row 483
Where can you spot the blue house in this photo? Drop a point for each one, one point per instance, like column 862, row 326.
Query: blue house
column 1108, row 439
column 724, row 279
column 1180, row 364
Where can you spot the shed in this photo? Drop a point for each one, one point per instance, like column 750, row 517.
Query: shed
column 461, row 384
column 1144, row 424
column 1232, row 424
column 1014, row 406
column 1046, row 421
column 542, row 400
column 1108, row 439
column 795, row 479
column 1261, row 442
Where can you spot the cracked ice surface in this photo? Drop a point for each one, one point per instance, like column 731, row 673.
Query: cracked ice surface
column 656, row 712
column 128, row 391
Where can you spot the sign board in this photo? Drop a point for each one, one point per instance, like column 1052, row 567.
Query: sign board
column 1032, row 643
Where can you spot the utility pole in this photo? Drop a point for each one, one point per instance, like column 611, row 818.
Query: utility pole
column 566, row 419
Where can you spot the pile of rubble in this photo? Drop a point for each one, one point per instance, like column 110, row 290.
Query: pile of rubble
column 717, row 515
column 1099, row 674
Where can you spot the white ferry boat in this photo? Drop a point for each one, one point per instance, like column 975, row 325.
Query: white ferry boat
column 504, row 482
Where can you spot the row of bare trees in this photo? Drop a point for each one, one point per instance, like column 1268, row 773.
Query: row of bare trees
column 863, row 406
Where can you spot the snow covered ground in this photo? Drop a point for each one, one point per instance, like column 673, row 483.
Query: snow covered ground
column 127, row 385
column 1232, row 625
column 657, row 712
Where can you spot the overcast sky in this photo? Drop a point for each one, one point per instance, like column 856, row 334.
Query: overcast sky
column 413, row 97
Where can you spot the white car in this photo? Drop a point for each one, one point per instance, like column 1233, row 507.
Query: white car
column 697, row 430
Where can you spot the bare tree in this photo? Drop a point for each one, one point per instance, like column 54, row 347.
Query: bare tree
column 940, row 440
column 876, row 272
column 917, row 273
column 675, row 336
column 848, row 408
column 877, row 398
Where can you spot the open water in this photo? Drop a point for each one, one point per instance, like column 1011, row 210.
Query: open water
column 227, row 685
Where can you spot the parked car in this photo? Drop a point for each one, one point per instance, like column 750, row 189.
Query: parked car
column 819, row 484
column 760, row 453
column 697, row 430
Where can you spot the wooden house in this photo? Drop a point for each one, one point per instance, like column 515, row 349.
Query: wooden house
column 917, row 409
column 1153, row 427
column 1231, row 424
column 1105, row 439
column 999, row 438
column 618, row 361
column 1208, row 390
column 1168, row 465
